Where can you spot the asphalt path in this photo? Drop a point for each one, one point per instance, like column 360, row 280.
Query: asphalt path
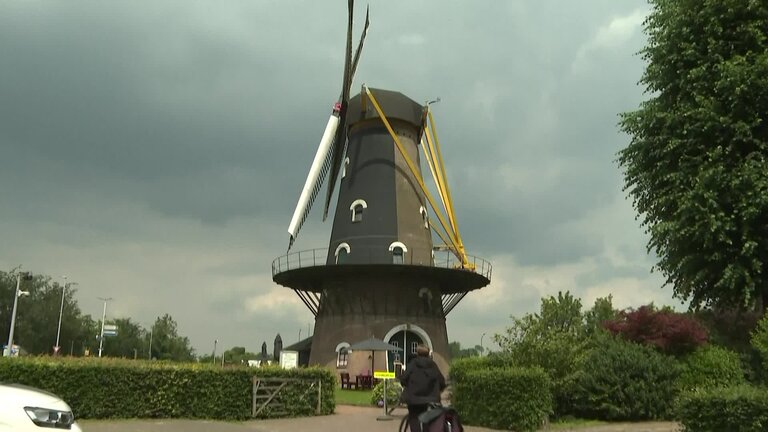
column 346, row 418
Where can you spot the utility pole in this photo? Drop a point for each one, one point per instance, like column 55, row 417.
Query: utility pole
column 18, row 293
column 103, row 317
column 57, row 347
column 215, row 341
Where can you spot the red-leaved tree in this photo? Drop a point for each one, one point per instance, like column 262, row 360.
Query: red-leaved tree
column 667, row 331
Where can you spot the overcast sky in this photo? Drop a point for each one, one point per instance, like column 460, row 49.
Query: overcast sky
column 153, row 151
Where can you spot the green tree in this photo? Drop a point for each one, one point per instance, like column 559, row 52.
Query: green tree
column 697, row 164
column 553, row 339
column 458, row 352
column 37, row 316
column 166, row 342
column 130, row 342
column 238, row 355
column 602, row 311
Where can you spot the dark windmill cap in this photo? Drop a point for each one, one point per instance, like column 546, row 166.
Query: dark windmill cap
column 394, row 104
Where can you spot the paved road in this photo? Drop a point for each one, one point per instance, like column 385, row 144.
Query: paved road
column 347, row 418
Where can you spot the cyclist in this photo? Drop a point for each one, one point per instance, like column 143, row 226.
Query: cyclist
column 423, row 383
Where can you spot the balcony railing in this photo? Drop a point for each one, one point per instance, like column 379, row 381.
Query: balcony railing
column 319, row 257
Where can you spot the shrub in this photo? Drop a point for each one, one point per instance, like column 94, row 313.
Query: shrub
column 710, row 367
column 113, row 388
column 760, row 340
column 555, row 339
column 394, row 390
column 665, row 330
column 740, row 408
column 503, row 398
column 621, row 380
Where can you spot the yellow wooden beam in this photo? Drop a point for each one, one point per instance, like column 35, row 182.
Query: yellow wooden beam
column 429, row 150
column 451, row 213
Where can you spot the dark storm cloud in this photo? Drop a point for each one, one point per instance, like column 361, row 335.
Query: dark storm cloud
column 164, row 144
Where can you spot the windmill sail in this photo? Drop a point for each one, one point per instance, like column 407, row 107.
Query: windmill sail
column 332, row 142
column 314, row 181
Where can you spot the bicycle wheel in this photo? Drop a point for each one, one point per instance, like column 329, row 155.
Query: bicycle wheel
column 404, row 426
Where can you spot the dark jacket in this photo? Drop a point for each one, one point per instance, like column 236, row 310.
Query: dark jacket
column 423, row 382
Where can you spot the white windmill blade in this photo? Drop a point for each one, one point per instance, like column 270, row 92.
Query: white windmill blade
column 314, row 180
column 332, row 144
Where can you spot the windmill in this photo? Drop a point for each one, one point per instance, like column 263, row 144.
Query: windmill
column 381, row 276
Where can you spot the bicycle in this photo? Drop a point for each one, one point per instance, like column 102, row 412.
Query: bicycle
column 404, row 426
column 450, row 418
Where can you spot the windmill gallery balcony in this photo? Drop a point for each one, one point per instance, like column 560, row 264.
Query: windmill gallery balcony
column 370, row 256
column 308, row 272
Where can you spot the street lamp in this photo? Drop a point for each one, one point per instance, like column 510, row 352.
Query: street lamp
column 152, row 329
column 482, row 348
column 57, row 347
column 103, row 317
column 18, row 293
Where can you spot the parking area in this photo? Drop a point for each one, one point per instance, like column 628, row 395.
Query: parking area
column 346, row 418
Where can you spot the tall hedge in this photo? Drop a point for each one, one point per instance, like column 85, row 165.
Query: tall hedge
column 505, row 397
column 740, row 408
column 112, row 388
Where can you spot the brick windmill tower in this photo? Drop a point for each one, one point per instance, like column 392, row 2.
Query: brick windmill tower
column 382, row 275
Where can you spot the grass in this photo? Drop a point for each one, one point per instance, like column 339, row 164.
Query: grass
column 572, row 423
column 353, row 397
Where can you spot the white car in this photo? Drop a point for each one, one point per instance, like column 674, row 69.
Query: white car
column 25, row 409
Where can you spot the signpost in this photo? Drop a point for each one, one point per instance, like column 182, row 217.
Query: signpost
column 386, row 376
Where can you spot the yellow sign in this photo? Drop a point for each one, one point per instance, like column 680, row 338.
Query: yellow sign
column 383, row 375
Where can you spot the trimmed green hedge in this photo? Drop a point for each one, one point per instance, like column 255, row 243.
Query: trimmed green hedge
column 113, row 388
column 500, row 397
column 460, row 367
column 740, row 408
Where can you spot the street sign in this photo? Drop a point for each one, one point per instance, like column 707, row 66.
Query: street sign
column 110, row 330
column 383, row 375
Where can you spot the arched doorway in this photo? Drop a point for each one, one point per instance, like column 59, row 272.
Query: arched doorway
column 406, row 337
column 407, row 340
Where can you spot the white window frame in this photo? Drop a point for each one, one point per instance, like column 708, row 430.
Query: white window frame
column 346, row 351
column 398, row 245
column 344, row 167
column 341, row 246
column 424, row 216
column 355, row 203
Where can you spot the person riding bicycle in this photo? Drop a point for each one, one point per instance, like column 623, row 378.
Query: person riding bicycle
column 423, row 382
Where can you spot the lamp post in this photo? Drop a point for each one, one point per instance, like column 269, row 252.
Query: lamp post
column 215, row 342
column 149, row 355
column 103, row 317
column 18, row 293
column 57, row 347
column 482, row 348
